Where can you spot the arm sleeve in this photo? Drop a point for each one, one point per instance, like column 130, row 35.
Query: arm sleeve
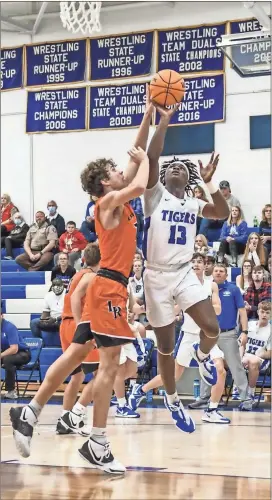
column 152, row 198
column 52, row 234
column 82, row 242
column 223, row 234
column 12, row 334
column 61, row 243
column 238, row 298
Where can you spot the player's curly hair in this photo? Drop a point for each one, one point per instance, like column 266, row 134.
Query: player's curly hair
column 193, row 174
column 93, row 174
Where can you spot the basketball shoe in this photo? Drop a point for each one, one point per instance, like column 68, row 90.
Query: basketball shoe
column 207, row 369
column 72, row 422
column 100, row 456
column 23, row 420
column 135, row 396
column 214, row 416
column 181, row 417
column 126, row 412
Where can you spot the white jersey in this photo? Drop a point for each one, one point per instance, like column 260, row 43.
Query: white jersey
column 189, row 326
column 170, row 227
column 258, row 337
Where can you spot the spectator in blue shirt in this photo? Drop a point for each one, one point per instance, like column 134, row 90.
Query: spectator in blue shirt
column 88, row 225
column 14, row 353
column 136, row 204
column 233, row 236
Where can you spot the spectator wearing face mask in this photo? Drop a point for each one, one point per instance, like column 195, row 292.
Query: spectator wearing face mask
column 72, row 242
column 52, row 310
column 233, row 237
column 54, row 218
column 40, row 240
column 63, row 271
column 16, row 237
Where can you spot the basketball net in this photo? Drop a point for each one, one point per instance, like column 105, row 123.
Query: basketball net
column 81, row 16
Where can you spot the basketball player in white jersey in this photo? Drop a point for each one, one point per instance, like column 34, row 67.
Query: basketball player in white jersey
column 168, row 246
column 183, row 351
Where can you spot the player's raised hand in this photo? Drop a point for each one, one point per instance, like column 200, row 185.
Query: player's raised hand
column 149, row 106
column 166, row 113
column 208, row 171
column 137, row 154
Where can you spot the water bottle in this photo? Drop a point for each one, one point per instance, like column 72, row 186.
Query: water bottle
column 255, row 222
column 196, row 388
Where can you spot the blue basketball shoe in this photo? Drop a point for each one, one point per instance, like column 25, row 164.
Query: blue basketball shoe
column 181, row 417
column 136, row 396
column 207, row 368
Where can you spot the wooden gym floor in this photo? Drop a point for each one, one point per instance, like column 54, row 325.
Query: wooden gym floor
column 216, row 462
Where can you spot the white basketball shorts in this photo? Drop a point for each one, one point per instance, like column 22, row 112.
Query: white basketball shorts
column 164, row 289
column 184, row 356
column 128, row 351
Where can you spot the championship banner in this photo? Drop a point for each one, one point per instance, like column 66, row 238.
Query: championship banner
column 191, row 49
column 204, row 101
column 117, row 106
column 11, row 68
column 253, row 54
column 61, row 110
column 121, row 56
column 56, row 62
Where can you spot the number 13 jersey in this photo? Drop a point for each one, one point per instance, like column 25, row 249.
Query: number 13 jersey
column 170, row 227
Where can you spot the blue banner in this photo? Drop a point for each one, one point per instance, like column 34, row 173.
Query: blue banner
column 11, row 68
column 204, row 101
column 59, row 110
column 254, row 54
column 56, row 62
column 191, row 49
column 121, row 56
column 115, row 106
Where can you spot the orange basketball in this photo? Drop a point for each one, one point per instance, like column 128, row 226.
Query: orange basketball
column 167, row 88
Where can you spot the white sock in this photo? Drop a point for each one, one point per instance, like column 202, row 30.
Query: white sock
column 122, row 402
column 212, row 406
column 35, row 407
column 201, row 355
column 99, row 435
column 251, row 391
column 79, row 409
column 30, row 415
column 171, row 398
column 63, row 412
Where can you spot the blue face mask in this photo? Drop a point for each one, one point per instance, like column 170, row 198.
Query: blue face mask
column 17, row 222
column 52, row 210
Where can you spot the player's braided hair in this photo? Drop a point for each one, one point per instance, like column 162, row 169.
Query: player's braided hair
column 193, row 174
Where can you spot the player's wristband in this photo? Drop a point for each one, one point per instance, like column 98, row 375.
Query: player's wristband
column 211, row 188
column 245, row 331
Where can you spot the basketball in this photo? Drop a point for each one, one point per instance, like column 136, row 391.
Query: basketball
column 167, row 88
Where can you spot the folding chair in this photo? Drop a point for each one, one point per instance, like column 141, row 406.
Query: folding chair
column 35, row 346
column 145, row 372
column 264, row 374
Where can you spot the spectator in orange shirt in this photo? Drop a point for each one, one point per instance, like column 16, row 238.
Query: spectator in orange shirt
column 72, row 242
column 8, row 209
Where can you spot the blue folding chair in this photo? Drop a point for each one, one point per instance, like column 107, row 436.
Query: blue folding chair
column 35, row 347
column 263, row 382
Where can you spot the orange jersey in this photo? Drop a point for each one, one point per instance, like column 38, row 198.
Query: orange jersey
column 117, row 246
column 67, row 310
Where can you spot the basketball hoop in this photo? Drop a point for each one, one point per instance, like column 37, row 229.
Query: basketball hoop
column 81, row 16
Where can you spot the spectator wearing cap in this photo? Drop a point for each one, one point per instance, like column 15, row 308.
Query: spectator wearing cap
column 8, row 209
column 72, row 242
column 259, row 291
column 88, row 225
column 231, row 200
column 136, row 205
column 233, row 236
column 52, row 310
column 16, row 237
column 40, row 240
column 14, row 353
column 54, row 218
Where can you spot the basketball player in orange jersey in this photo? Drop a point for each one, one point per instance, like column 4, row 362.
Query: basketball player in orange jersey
column 72, row 418
column 106, row 298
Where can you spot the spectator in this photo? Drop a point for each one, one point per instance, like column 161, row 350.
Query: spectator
column 8, row 209
column 52, row 310
column 40, row 240
column 201, row 244
column 255, row 250
column 257, row 354
column 136, row 205
column 232, row 305
column 265, row 227
column 16, row 237
column 14, row 353
column 88, row 225
column 54, row 218
column 63, row 271
column 233, row 236
column 258, row 292
column 209, row 266
column 269, row 269
column 244, row 280
column 72, row 242
column 138, row 255
column 201, row 195
column 137, row 288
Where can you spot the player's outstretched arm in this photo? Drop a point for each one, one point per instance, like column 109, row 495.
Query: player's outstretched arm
column 157, row 143
column 141, row 139
column 136, row 188
column 219, row 209
column 216, row 302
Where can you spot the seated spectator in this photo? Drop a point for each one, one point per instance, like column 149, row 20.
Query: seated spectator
column 14, row 353
column 265, row 227
column 209, row 266
column 16, row 237
column 63, row 271
column 136, row 282
column 244, row 280
column 40, row 240
column 201, row 195
column 201, row 244
column 72, row 242
column 88, row 225
column 138, row 255
column 136, row 205
column 255, row 250
column 231, row 200
column 259, row 291
column 269, row 269
column 52, row 310
column 8, row 209
column 54, row 218
column 233, row 237
column 258, row 348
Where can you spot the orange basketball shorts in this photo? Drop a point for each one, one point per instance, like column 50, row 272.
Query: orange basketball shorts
column 67, row 333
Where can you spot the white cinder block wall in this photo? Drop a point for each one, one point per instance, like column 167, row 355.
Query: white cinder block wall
column 38, row 168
